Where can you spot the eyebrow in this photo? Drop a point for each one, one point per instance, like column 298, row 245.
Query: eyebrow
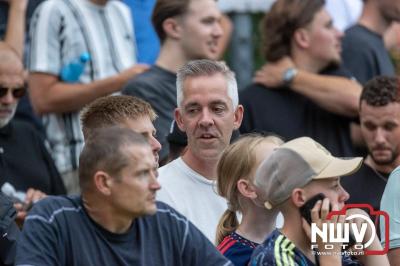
column 218, row 102
column 192, row 104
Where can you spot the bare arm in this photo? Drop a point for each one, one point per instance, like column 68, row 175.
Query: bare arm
column 335, row 94
column 50, row 95
column 394, row 256
column 15, row 31
column 356, row 135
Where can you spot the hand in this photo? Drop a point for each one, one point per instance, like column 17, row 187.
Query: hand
column 133, row 71
column 318, row 216
column 32, row 196
column 271, row 74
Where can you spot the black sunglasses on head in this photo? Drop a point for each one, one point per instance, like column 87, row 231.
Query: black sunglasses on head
column 16, row 92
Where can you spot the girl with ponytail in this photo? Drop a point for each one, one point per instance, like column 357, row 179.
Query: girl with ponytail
column 236, row 170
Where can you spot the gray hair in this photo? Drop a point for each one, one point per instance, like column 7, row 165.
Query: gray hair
column 205, row 67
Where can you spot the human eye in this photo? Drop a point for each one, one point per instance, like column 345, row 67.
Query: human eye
column 329, row 24
column 192, row 110
column 390, row 126
column 143, row 174
column 369, row 126
column 208, row 20
column 219, row 109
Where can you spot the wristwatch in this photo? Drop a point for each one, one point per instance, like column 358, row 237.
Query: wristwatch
column 289, row 75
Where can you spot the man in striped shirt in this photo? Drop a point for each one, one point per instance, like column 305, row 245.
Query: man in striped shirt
column 61, row 31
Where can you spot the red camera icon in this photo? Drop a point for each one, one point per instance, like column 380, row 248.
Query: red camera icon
column 373, row 212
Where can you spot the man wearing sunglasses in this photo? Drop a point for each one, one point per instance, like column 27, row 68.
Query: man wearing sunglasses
column 27, row 171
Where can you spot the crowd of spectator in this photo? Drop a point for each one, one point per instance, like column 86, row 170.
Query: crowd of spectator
column 125, row 141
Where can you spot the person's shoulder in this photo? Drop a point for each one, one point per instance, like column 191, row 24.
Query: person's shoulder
column 154, row 75
column 358, row 34
column 121, row 8
column 166, row 218
column 259, row 96
column 51, row 7
column 253, row 87
column 155, row 78
column 20, row 125
column 361, row 173
column 25, row 133
column 255, row 90
column 169, row 170
column 354, row 32
column 394, row 178
column 49, row 207
column 265, row 253
column 234, row 250
column 119, row 4
column 163, row 209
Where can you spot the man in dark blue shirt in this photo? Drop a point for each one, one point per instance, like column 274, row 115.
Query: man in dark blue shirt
column 116, row 221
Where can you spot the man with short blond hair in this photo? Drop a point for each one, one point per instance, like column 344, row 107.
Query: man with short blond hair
column 121, row 110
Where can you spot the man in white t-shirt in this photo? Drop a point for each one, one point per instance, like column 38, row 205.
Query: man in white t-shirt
column 208, row 111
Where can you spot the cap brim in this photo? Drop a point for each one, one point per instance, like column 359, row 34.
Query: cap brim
column 340, row 167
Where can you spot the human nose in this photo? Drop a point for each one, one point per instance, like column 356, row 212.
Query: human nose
column 155, row 145
column 339, row 34
column 344, row 196
column 8, row 98
column 206, row 119
column 217, row 30
column 379, row 136
column 154, row 184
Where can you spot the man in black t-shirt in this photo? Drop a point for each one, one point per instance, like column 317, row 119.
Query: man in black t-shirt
column 116, row 220
column 364, row 51
column 380, row 127
column 307, row 94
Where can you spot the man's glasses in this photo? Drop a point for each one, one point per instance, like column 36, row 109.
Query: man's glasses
column 16, row 92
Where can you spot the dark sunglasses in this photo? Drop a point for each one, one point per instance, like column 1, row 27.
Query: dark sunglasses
column 16, row 92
